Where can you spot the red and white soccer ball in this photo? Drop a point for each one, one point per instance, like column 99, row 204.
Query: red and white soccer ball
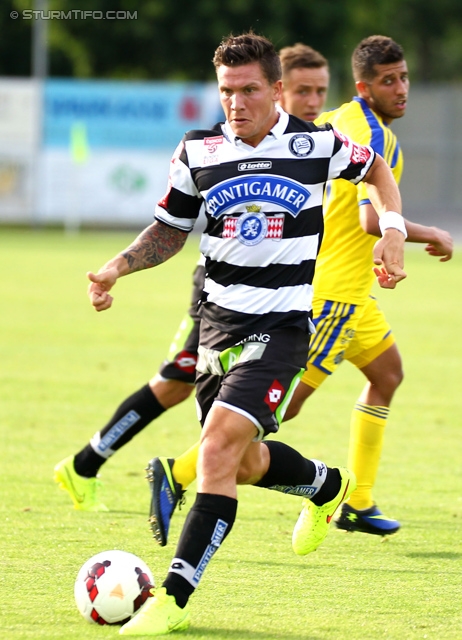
column 112, row 586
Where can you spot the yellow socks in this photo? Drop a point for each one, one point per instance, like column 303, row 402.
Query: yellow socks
column 366, row 440
column 184, row 467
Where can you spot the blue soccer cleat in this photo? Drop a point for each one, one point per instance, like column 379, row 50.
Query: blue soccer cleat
column 370, row 520
column 165, row 495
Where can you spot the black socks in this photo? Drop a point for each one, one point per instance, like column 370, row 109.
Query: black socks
column 135, row 413
column 207, row 524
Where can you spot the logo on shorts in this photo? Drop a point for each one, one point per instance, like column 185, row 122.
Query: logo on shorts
column 186, row 361
column 274, row 395
column 301, row 145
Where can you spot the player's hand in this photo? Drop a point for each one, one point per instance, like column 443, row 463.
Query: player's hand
column 100, row 284
column 442, row 246
column 386, row 280
column 389, row 257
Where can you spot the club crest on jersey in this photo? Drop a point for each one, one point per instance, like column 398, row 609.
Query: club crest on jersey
column 301, row 145
column 279, row 191
column 253, row 227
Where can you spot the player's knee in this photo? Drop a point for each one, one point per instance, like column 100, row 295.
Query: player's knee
column 388, row 382
column 394, row 378
column 217, row 459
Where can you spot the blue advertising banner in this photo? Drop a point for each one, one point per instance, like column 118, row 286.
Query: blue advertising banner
column 127, row 115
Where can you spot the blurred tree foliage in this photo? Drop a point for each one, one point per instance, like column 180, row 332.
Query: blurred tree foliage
column 175, row 39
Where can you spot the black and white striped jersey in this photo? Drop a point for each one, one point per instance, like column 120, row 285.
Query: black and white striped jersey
column 263, row 208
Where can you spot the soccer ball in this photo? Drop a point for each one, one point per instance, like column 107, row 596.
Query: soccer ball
column 112, row 586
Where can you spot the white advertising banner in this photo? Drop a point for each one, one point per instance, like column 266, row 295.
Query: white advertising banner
column 110, row 187
column 93, row 152
column 107, row 147
column 19, row 147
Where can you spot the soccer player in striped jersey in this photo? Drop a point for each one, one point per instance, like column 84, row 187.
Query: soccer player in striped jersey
column 305, row 75
column 262, row 176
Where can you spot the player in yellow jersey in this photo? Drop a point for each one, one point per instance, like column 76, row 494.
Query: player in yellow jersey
column 349, row 324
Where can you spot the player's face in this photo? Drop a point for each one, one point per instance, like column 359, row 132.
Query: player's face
column 304, row 92
column 249, row 101
column 388, row 91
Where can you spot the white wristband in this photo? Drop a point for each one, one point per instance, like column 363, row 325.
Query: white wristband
column 392, row 220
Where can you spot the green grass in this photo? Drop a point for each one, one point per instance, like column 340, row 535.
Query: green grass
column 65, row 368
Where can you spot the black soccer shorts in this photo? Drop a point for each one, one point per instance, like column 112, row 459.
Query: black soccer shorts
column 255, row 376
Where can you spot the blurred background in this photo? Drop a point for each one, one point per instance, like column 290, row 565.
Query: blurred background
column 95, row 95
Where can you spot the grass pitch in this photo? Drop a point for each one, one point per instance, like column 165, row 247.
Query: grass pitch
column 65, row 368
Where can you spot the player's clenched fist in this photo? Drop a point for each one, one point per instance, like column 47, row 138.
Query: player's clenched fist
column 99, row 287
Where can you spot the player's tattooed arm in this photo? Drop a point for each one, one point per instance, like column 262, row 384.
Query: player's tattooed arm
column 153, row 246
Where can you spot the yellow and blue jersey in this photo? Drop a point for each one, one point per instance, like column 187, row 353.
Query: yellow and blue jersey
column 344, row 266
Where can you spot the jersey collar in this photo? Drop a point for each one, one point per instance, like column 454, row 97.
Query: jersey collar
column 366, row 108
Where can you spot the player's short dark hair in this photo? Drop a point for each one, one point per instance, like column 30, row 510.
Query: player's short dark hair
column 235, row 51
column 301, row 56
column 371, row 51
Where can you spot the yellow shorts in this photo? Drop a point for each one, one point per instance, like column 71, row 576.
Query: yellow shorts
column 358, row 333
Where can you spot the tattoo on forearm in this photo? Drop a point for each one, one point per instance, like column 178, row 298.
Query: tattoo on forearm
column 154, row 245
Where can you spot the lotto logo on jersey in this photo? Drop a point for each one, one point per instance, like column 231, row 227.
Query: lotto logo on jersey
column 277, row 190
column 275, row 395
column 254, row 166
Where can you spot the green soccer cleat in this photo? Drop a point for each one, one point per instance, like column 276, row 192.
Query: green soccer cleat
column 83, row 491
column 165, row 495
column 313, row 522
column 160, row 615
